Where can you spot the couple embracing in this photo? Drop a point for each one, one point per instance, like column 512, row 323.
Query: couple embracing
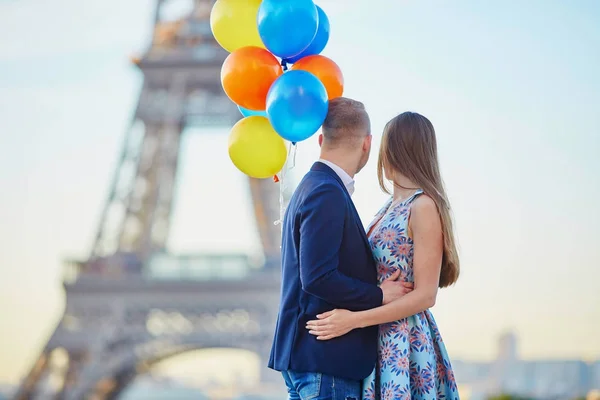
column 354, row 320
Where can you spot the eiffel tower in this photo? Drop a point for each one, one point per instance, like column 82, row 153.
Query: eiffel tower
column 132, row 304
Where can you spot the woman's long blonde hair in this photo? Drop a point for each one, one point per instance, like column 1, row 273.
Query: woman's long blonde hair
column 409, row 147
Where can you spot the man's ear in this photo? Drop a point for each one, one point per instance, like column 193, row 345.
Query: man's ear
column 367, row 142
column 320, row 139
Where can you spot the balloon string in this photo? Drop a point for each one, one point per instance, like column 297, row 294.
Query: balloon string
column 294, row 151
column 283, row 182
column 281, row 201
column 281, row 179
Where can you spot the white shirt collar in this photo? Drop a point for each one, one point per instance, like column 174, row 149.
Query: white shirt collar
column 346, row 179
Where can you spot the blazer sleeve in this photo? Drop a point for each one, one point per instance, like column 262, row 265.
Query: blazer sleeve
column 321, row 230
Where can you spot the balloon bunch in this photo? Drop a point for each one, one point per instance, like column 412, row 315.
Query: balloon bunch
column 276, row 76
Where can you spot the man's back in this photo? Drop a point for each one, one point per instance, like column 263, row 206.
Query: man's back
column 326, row 264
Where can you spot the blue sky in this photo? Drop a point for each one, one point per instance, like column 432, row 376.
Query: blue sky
column 512, row 88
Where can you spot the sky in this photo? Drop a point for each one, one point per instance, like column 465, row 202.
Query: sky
column 511, row 87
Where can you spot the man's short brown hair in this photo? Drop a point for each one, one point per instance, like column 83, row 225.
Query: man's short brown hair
column 347, row 122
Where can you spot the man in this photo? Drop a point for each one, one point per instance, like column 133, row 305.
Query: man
column 327, row 263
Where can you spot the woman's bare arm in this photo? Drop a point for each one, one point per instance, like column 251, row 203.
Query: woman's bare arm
column 426, row 228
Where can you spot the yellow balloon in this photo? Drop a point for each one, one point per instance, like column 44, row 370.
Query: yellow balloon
column 255, row 148
column 233, row 23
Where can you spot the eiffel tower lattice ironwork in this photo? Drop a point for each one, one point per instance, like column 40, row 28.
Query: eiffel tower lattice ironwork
column 132, row 304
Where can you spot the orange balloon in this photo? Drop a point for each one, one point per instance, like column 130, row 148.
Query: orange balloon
column 247, row 74
column 326, row 70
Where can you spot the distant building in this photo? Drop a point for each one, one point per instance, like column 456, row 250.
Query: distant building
column 595, row 377
column 538, row 379
column 507, row 348
column 6, row 391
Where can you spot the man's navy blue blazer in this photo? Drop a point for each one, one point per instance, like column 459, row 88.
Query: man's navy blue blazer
column 326, row 263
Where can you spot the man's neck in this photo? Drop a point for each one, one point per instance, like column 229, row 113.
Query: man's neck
column 344, row 163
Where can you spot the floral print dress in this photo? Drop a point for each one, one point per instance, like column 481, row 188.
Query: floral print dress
column 413, row 362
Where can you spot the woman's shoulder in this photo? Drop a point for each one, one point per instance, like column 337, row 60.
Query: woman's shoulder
column 424, row 203
column 424, row 211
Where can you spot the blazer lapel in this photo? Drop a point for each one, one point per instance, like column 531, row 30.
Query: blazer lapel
column 360, row 225
column 319, row 166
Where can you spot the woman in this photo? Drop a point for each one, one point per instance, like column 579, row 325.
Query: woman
column 412, row 233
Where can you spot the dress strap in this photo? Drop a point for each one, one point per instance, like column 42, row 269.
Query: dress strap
column 385, row 207
column 412, row 197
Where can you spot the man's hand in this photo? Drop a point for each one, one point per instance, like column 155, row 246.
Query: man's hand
column 393, row 290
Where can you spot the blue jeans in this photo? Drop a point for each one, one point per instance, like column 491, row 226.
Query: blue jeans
column 317, row 386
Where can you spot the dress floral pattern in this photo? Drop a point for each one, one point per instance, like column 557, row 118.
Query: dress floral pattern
column 413, row 362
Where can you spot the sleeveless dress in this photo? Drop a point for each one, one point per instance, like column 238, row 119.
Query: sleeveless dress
column 413, row 362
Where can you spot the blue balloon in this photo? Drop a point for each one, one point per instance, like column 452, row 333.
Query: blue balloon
column 249, row 113
column 297, row 105
column 287, row 27
column 320, row 40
